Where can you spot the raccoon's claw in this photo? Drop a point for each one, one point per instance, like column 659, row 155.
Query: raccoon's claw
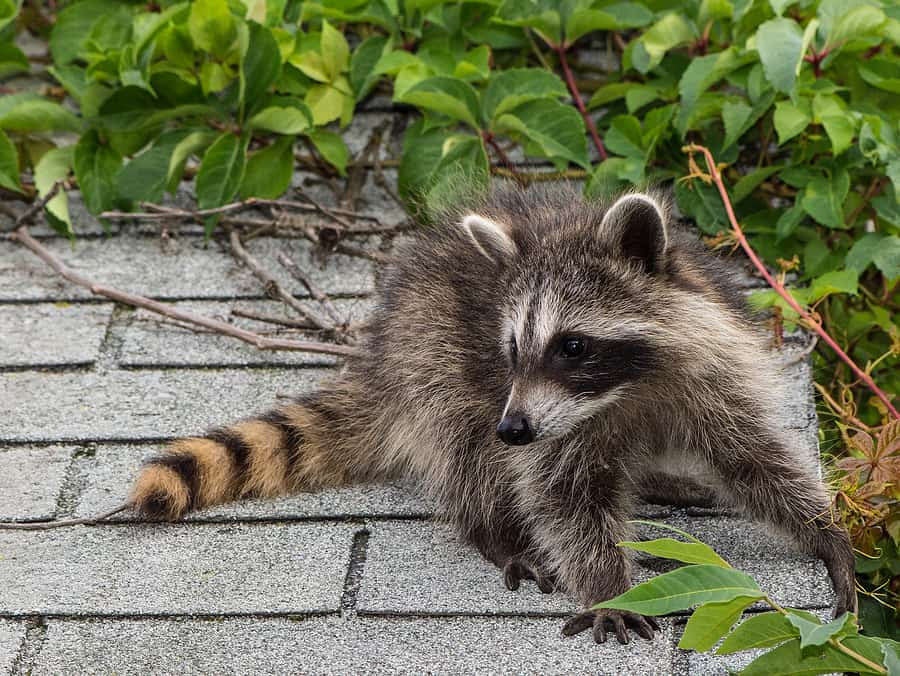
column 619, row 619
column 516, row 570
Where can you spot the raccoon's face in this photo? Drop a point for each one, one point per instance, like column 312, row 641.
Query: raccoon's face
column 570, row 348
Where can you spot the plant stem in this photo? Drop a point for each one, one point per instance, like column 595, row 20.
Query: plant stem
column 779, row 288
column 579, row 103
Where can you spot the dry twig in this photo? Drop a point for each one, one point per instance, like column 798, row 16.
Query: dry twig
column 313, row 289
column 272, row 288
column 263, row 343
column 156, row 212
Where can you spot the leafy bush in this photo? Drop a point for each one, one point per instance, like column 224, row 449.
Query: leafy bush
column 799, row 100
column 799, row 641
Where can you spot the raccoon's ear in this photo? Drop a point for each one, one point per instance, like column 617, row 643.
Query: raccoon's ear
column 491, row 238
column 636, row 226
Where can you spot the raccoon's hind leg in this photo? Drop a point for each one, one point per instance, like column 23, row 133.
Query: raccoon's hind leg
column 305, row 445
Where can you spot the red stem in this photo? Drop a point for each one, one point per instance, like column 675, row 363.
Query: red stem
column 579, row 103
column 779, row 288
column 504, row 158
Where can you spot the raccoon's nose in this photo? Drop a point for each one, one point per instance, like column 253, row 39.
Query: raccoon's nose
column 515, row 430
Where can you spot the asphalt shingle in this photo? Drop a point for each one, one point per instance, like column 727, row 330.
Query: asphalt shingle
column 140, row 404
column 52, row 334
column 174, row 569
column 31, row 480
column 330, row 645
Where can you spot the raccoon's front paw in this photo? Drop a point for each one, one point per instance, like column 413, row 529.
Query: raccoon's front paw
column 515, row 570
column 619, row 620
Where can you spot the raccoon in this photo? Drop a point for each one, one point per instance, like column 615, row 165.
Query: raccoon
column 528, row 362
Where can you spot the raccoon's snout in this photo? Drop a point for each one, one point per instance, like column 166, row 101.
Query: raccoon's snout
column 515, row 430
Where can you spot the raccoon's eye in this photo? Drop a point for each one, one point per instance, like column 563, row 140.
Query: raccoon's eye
column 572, row 347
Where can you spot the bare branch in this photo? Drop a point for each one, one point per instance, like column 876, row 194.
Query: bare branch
column 313, row 289
column 278, row 321
column 272, row 288
column 158, row 212
column 263, row 343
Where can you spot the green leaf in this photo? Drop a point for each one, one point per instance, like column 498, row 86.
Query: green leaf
column 791, row 119
column 12, row 60
column 335, row 51
column 734, row 116
column 610, row 92
column 146, row 176
column 881, row 73
column 858, row 22
column 712, row 621
column 194, row 142
column 508, row 89
column 750, row 182
column 73, row 28
column 329, row 102
column 212, row 26
column 759, row 631
column 863, row 251
column 541, row 16
column 830, row 111
column 887, row 258
column 686, row 552
column 788, row 221
column 220, row 174
column 553, row 128
column 447, row 96
column 9, row 164
column 790, row 658
column 34, row 114
column 97, row 167
column 705, row 71
column 683, row 588
column 9, row 9
column 363, row 77
column 54, row 166
column 814, row 633
column 261, row 65
column 624, row 137
column 669, row 32
column 269, row 171
column 312, row 65
column 332, row 147
column 823, row 199
column 780, row 45
column 288, row 119
column 611, row 17
column 836, row 281
column 422, row 152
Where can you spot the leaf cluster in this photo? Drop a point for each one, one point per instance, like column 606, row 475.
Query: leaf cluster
column 798, row 641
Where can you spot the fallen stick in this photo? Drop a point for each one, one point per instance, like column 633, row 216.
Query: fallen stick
column 157, row 212
column 314, row 290
column 272, row 288
column 263, row 343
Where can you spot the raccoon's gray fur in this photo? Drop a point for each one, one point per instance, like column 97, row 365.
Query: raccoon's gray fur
column 597, row 341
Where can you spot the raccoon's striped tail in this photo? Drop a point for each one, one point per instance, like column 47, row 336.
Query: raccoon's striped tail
column 292, row 448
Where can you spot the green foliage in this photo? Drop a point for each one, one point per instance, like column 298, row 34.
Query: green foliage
column 801, row 642
column 800, row 101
